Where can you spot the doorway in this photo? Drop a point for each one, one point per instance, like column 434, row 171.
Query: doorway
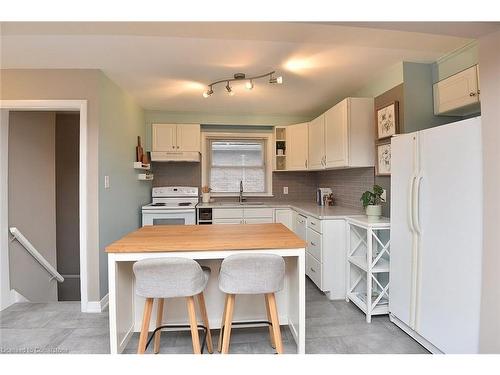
column 59, row 107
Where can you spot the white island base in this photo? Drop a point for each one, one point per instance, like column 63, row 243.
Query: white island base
column 125, row 307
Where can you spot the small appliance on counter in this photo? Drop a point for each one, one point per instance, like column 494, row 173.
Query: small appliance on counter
column 322, row 194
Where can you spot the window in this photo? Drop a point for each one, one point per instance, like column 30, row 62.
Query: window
column 235, row 160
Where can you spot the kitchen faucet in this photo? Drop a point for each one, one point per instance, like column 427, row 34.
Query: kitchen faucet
column 241, row 191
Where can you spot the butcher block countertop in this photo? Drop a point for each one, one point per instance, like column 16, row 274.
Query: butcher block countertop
column 178, row 238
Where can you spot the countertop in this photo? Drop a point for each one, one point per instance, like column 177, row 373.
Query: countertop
column 179, row 238
column 305, row 207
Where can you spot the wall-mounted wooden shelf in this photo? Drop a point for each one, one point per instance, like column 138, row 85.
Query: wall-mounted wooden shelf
column 145, row 176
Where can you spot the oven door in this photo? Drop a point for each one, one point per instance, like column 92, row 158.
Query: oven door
column 168, row 217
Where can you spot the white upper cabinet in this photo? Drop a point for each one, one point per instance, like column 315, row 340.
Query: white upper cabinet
column 163, row 138
column 297, row 146
column 336, row 137
column 343, row 136
column 188, row 137
column 458, row 94
column 176, row 137
column 317, row 143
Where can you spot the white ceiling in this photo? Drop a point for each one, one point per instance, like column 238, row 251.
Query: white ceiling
column 166, row 66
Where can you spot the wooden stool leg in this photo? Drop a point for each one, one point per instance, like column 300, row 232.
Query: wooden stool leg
column 271, row 333
column 146, row 317
column 204, row 315
column 276, row 325
column 194, row 325
column 227, row 324
column 219, row 347
column 159, row 317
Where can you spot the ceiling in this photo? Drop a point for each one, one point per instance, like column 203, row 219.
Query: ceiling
column 166, row 66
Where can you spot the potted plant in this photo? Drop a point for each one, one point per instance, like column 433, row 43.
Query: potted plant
column 372, row 202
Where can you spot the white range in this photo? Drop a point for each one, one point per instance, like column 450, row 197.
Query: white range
column 172, row 205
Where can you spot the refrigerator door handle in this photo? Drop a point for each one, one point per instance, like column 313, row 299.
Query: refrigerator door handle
column 410, row 202
column 416, row 204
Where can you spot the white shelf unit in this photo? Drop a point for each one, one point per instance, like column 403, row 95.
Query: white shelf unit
column 368, row 258
column 140, row 165
column 145, row 176
column 280, row 162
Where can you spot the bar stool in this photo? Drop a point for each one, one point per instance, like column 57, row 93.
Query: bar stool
column 251, row 274
column 168, row 278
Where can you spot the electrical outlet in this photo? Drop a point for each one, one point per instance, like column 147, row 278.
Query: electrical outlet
column 384, row 196
column 106, row 182
column 285, row 189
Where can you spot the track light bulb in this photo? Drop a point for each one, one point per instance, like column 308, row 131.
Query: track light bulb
column 209, row 92
column 278, row 80
column 229, row 90
column 249, row 85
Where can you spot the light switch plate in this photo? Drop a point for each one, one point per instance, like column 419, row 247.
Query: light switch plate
column 285, row 189
column 106, row 182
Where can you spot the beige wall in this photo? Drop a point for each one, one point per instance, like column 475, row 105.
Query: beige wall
column 489, row 62
column 32, row 201
column 64, row 84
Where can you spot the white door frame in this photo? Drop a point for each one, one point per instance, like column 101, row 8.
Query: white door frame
column 7, row 297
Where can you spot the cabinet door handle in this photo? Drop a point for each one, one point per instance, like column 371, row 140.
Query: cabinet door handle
column 313, row 270
column 313, row 223
column 312, row 243
column 177, row 146
column 305, row 164
column 478, row 92
column 173, row 146
column 472, row 94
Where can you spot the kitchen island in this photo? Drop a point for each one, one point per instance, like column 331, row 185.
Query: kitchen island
column 208, row 244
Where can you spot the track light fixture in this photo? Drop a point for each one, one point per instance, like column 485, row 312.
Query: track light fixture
column 242, row 77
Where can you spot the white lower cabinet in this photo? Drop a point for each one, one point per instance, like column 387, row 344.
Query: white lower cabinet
column 242, row 215
column 228, row 221
column 284, row 216
column 313, row 270
column 325, row 255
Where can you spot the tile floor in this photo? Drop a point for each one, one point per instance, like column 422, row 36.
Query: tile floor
column 331, row 327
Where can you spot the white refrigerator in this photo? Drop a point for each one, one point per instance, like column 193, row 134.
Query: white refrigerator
column 436, row 235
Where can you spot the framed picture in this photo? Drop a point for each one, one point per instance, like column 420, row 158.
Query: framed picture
column 383, row 152
column 387, row 119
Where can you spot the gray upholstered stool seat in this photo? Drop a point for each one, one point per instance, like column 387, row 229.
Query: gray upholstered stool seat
column 252, row 274
column 169, row 277
column 162, row 278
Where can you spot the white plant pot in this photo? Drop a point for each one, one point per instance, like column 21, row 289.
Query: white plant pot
column 374, row 212
column 205, row 197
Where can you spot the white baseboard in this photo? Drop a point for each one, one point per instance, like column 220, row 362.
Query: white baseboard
column 98, row 306
column 13, row 297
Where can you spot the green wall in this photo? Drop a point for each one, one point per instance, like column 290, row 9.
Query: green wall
column 385, row 80
column 121, row 120
column 455, row 62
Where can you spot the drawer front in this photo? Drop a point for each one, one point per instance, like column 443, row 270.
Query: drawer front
column 227, row 213
column 314, row 224
column 228, row 221
column 259, row 212
column 259, row 220
column 313, row 270
column 314, row 244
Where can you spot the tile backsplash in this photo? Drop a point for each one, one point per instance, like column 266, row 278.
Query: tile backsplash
column 347, row 184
